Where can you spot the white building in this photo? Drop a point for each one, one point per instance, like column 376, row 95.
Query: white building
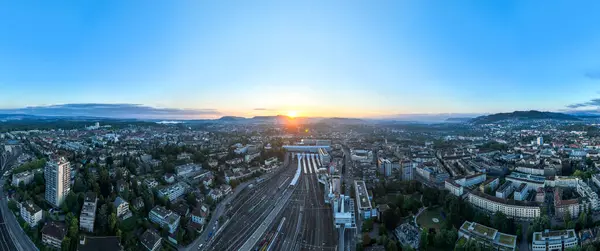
column 596, row 179
column 88, row 212
column 454, row 188
column 585, row 191
column 200, row 214
column 471, row 180
column 57, row 174
column 489, row 238
column 407, row 170
column 165, row 218
column 519, row 209
column 505, row 190
column 122, row 207
column 556, row 240
column 533, row 181
column 25, row 177
column 540, row 141
column 187, row 169
column 31, row 213
column 362, row 198
column 521, row 192
column 174, row 191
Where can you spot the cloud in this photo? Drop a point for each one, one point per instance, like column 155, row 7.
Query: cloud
column 114, row 111
column 592, row 103
column 595, row 75
column 261, row 109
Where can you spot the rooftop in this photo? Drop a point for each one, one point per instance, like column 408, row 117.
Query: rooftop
column 55, row 229
column 362, row 194
column 99, row 243
column 149, row 239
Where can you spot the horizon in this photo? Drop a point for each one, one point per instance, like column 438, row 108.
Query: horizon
column 195, row 60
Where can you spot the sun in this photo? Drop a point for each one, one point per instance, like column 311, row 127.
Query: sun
column 292, row 114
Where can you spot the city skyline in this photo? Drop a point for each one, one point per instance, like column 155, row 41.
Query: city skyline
column 310, row 59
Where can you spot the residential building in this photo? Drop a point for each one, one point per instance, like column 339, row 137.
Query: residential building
column 521, row 192
column 165, row 218
column 491, row 183
column 187, row 170
column 505, row 190
column 88, row 212
column 200, row 214
column 122, row 207
column 585, row 191
column 362, row 198
column 249, row 157
column 519, row 209
column 174, row 191
column 540, row 141
column 562, row 207
column 554, row 240
column 532, row 181
column 122, row 186
column 470, row 180
column 53, row 233
column 151, row 240
column 454, row 188
column 489, row 238
column 407, row 170
column 138, row 203
column 385, row 167
column 99, row 243
column 57, row 174
column 31, row 213
column 25, row 177
column 151, row 183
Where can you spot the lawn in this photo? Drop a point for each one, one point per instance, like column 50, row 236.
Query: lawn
column 425, row 219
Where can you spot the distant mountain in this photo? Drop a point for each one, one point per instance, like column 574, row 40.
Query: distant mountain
column 522, row 115
column 458, row 120
column 427, row 118
column 346, row 121
column 231, row 118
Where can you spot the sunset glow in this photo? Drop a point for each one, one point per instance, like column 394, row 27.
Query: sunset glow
column 292, row 114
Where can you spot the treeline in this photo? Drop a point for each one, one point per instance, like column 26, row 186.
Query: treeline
column 66, row 124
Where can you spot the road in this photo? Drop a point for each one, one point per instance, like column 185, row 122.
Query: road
column 225, row 206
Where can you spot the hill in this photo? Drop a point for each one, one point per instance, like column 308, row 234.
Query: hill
column 457, row 120
column 522, row 115
column 231, row 118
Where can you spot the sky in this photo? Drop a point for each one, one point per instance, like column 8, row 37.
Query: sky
column 317, row 58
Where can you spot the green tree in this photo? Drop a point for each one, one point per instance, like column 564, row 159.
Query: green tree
column 66, row 244
column 112, row 222
column 424, row 240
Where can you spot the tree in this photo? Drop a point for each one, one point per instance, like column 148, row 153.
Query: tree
column 424, row 239
column 390, row 219
column 499, row 222
column 367, row 225
column 112, row 222
column 392, row 246
column 366, row 239
column 66, row 244
column 102, row 219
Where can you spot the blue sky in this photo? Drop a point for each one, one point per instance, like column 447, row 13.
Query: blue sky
column 319, row 58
